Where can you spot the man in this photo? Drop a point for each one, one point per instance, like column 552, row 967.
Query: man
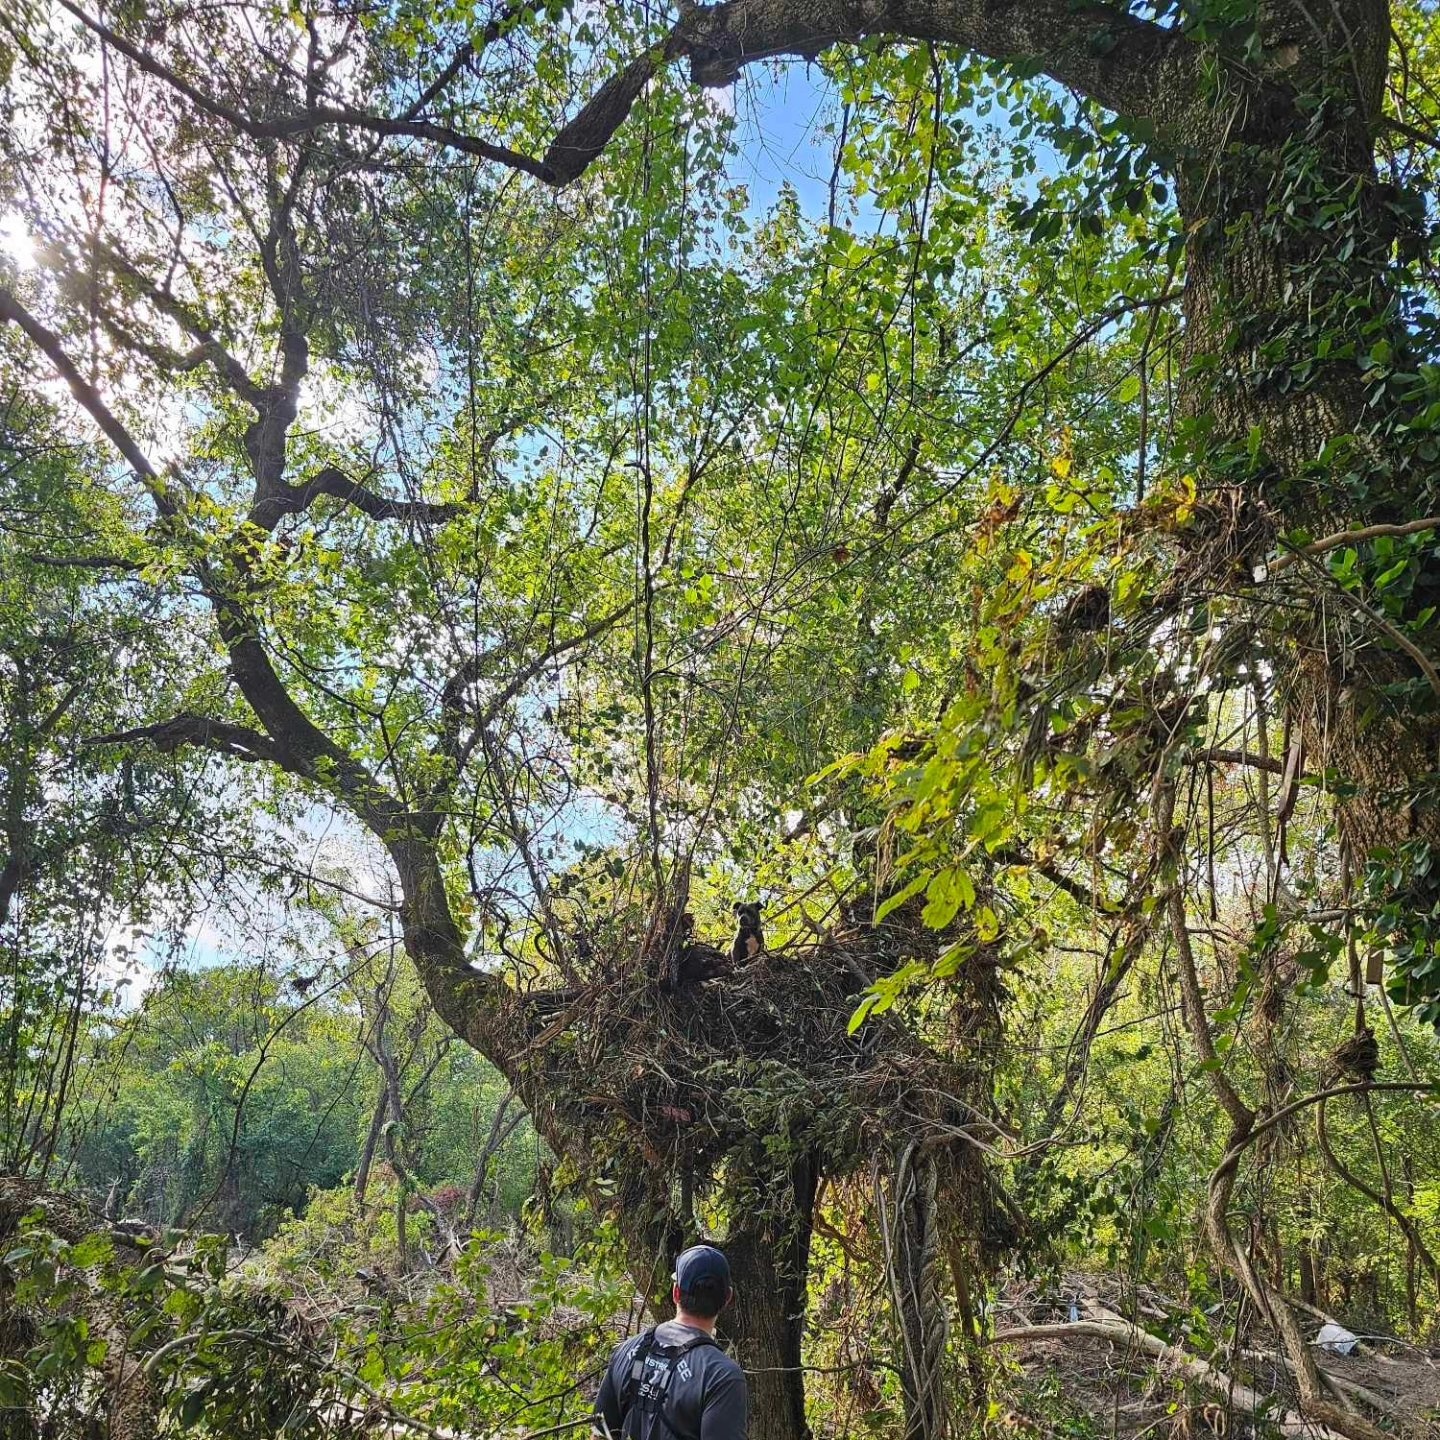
column 675, row 1382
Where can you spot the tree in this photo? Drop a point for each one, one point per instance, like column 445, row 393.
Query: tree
column 388, row 642
column 1300, row 420
column 84, row 832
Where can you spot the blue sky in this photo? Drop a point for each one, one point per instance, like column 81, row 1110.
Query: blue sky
column 780, row 116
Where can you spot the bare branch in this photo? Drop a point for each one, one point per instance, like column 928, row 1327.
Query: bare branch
column 1240, row 757
column 1169, row 839
column 1086, row 898
column 1366, row 1087
column 208, row 349
column 188, row 728
column 303, row 122
column 1127, row 64
column 86, row 562
column 1121, row 1332
column 468, row 52
column 1350, row 537
column 452, row 698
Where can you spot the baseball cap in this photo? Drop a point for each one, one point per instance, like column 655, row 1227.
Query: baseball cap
column 701, row 1263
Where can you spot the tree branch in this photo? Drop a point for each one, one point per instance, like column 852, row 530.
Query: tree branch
column 1216, row 756
column 1126, row 64
column 86, row 562
column 452, row 697
column 289, row 127
column 1121, row 1332
column 1384, row 1200
column 49, row 344
column 1102, row 52
column 1367, row 1087
column 271, row 505
column 208, row 349
column 1086, row 898
column 1350, row 537
column 1427, row 666
column 505, row 20
column 188, row 728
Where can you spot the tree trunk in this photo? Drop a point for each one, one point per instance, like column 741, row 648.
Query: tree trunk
column 766, row 1323
column 500, row 1132
column 1289, row 299
column 769, row 1253
column 372, row 1141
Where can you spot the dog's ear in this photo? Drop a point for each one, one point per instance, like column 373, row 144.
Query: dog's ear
column 737, row 907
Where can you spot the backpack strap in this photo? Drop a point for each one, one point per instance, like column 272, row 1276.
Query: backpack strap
column 674, row 1353
column 637, row 1369
column 695, row 1342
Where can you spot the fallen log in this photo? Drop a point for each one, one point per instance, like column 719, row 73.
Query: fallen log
column 1121, row 1332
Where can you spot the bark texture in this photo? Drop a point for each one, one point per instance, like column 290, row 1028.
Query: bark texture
column 769, row 1261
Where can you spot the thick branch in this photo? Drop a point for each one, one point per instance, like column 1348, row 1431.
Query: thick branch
column 1218, row 756
column 302, row 122
column 1098, row 50
column 294, row 742
column 86, row 562
column 208, row 349
column 1086, row 898
column 1352, row 537
column 221, row 736
column 1131, row 1337
column 1126, row 64
column 271, row 505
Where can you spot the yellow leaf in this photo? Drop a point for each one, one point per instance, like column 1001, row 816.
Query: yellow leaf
column 1064, row 462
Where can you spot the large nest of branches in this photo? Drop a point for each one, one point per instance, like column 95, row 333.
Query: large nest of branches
column 700, row 1061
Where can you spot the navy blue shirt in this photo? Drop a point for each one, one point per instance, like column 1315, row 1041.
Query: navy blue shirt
column 706, row 1399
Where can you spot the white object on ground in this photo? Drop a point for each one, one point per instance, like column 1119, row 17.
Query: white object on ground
column 1336, row 1339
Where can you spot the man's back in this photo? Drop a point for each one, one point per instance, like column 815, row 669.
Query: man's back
column 704, row 1398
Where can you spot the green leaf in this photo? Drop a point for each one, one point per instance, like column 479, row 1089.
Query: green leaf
column 893, row 903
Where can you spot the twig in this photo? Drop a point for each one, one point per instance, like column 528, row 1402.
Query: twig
column 1426, row 665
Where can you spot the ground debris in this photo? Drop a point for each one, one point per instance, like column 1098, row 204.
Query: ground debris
column 1076, row 1363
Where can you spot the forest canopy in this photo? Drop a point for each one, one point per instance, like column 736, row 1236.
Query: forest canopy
column 812, row 624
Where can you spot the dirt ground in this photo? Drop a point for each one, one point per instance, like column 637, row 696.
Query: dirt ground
column 1083, row 1387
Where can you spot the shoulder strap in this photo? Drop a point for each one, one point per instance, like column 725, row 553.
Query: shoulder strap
column 656, row 1397
column 695, row 1342
column 637, row 1368
column 651, row 1400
